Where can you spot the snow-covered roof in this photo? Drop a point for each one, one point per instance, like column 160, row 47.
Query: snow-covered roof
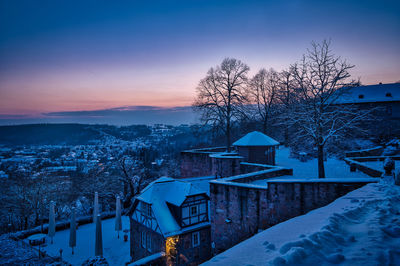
column 370, row 94
column 167, row 190
column 256, row 138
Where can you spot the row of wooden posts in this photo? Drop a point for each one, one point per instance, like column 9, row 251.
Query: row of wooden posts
column 96, row 220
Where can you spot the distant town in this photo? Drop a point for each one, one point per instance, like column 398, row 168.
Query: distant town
column 100, row 154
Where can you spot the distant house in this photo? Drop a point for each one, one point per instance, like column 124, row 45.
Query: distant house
column 171, row 216
column 377, row 94
column 385, row 98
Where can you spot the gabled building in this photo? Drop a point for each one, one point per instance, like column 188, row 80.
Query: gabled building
column 383, row 99
column 171, row 217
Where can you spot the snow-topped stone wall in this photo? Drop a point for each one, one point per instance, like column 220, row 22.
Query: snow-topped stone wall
column 239, row 211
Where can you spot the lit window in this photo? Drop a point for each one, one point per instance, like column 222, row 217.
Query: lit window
column 195, row 239
column 194, row 210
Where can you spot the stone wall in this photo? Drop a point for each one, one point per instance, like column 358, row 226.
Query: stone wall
column 239, row 211
column 223, row 166
column 356, row 163
column 249, row 177
column 377, row 151
column 215, row 162
column 197, row 162
column 194, row 255
column 235, row 214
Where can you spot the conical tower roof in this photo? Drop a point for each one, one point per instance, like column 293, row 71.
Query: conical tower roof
column 256, row 138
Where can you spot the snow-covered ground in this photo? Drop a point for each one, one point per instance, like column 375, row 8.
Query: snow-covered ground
column 360, row 228
column 334, row 168
column 116, row 251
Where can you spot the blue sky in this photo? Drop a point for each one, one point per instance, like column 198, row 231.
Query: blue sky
column 60, row 56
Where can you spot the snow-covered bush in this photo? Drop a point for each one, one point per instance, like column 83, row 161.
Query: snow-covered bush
column 388, row 165
column 82, row 206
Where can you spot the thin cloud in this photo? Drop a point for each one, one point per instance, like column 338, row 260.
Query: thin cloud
column 125, row 115
column 124, row 110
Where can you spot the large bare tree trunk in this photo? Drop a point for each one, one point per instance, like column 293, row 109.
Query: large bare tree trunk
column 265, row 123
column 228, row 136
column 321, row 166
column 286, row 136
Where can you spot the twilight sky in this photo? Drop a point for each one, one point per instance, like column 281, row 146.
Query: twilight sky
column 62, row 56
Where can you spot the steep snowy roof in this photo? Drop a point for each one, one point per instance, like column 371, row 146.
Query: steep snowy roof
column 256, row 138
column 370, row 93
column 167, row 190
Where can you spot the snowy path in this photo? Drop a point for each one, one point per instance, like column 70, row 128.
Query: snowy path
column 116, row 251
column 361, row 228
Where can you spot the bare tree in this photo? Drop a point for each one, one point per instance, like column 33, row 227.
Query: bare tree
column 130, row 178
column 264, row 87
column 221, row 95
column 26, row 197
column 286, row 99
column 321, row 78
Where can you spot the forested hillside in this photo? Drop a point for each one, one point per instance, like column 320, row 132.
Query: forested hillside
column 66, row 134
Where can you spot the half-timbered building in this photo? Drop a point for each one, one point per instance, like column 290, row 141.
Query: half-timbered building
column 171, row 217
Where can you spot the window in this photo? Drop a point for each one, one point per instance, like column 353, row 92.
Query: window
column 146, row 240
column 194, row 210
column 389, row 110
column 388, row 94
column 148, row 243
column 195, row 239
column 361, row 96
column 143, row 234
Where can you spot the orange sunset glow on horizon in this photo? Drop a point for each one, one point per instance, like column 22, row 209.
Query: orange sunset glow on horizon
column 63, row 58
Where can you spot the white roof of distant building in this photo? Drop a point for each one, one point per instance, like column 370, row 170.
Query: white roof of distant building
column 256, row 138
column 370, row 94
column 167, row 190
